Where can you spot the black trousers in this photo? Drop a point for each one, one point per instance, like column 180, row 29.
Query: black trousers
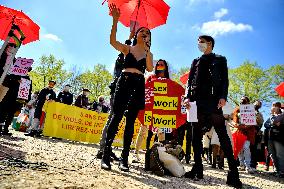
column 181, row 132
column 8, row 107
column 129, row 96
column 217, row 120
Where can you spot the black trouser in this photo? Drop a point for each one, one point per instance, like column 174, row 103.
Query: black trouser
column 253, row 150
column 38, row 111
column 149, row 137
column 218, row 121
column 128, row 93
column 181, row 132
column 8, row 108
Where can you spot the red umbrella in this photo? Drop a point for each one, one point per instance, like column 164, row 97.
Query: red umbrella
column 148, row 13
column 184, row 78
column 9, row 16
column 280, row 89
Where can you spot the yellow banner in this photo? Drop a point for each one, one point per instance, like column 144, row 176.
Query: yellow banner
column 73, row 123
column 160, row 88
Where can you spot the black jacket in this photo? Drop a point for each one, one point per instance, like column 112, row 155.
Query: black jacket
column 219, row 77
column 65, row 97
column 82, row 101
column 100, row 108
column 45, row 94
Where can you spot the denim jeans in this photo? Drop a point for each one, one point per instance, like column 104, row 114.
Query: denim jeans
column 278, row 155
column 245, row 155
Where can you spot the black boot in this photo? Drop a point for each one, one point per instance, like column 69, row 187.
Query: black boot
column 123, row 164
column 195, row 173
column 187, row 158
column 6, row 131
column 233, row 179
column 99, row 154
column 105, row 163
column 147, row 160
column 114, row 157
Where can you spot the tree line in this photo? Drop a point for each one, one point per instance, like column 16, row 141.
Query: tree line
column 247, row 79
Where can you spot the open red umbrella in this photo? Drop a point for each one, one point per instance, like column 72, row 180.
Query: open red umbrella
column 148, row 13
column 184, row 78
column 9, row 16
column 280, row 89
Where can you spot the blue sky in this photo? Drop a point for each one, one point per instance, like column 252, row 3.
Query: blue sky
column 78, row 31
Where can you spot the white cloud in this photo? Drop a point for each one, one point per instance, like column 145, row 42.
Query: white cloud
column 218, row 27
column 52, row 37
column 219, row 14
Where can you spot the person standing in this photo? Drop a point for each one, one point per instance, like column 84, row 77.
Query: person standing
column 46, row 94
column 130, row 88
column 65, row 96
column 161, row 71
column 208, row 86
column 247, row 130
column 116, row 73
column 82, row 101
column 9, row 104
column 258, row 135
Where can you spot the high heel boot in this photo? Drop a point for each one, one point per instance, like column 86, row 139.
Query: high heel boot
column 195, row 173
column 105, row 162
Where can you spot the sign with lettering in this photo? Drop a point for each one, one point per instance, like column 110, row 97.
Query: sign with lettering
column 24, row 89
column 78, row 124
column 247, row 114
column 21, row 66
column 163, row 104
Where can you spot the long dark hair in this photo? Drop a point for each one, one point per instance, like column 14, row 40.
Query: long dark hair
column 167, row 75
column 135, row 36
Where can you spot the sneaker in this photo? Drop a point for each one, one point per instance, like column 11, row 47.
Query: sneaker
column 123, row 166
column 242, row 168
column 250, row 170
column 136, row 159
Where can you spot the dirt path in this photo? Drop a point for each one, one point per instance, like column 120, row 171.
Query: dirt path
column 58, row 155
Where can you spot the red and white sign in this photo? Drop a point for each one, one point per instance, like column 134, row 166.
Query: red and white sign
column 163, row 104
column 21, row 66
column 24, row 89
column 247, row 114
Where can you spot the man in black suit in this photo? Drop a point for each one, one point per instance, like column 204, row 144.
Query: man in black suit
column 208, row 86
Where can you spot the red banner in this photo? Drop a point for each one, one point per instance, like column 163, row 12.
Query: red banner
column 163, row 104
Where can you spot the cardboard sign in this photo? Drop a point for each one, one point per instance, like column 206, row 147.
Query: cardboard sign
column 247, row 114
column 163, row 104
column 24, row 89
column 21, row 66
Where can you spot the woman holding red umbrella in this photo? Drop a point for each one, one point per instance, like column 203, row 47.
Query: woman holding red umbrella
column 130, row 88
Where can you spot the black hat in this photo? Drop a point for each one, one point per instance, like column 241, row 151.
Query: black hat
column 68, row 85
column 85, row 89
column 52, row 81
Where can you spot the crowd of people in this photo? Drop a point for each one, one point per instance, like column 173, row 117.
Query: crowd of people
column 207, row 85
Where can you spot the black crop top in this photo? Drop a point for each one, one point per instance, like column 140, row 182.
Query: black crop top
column 131, row 62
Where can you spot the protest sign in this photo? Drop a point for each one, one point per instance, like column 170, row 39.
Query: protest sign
column 78, row 124
column 247, row 114
column 163, row 107
column 24, row 89
column 21, row 66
